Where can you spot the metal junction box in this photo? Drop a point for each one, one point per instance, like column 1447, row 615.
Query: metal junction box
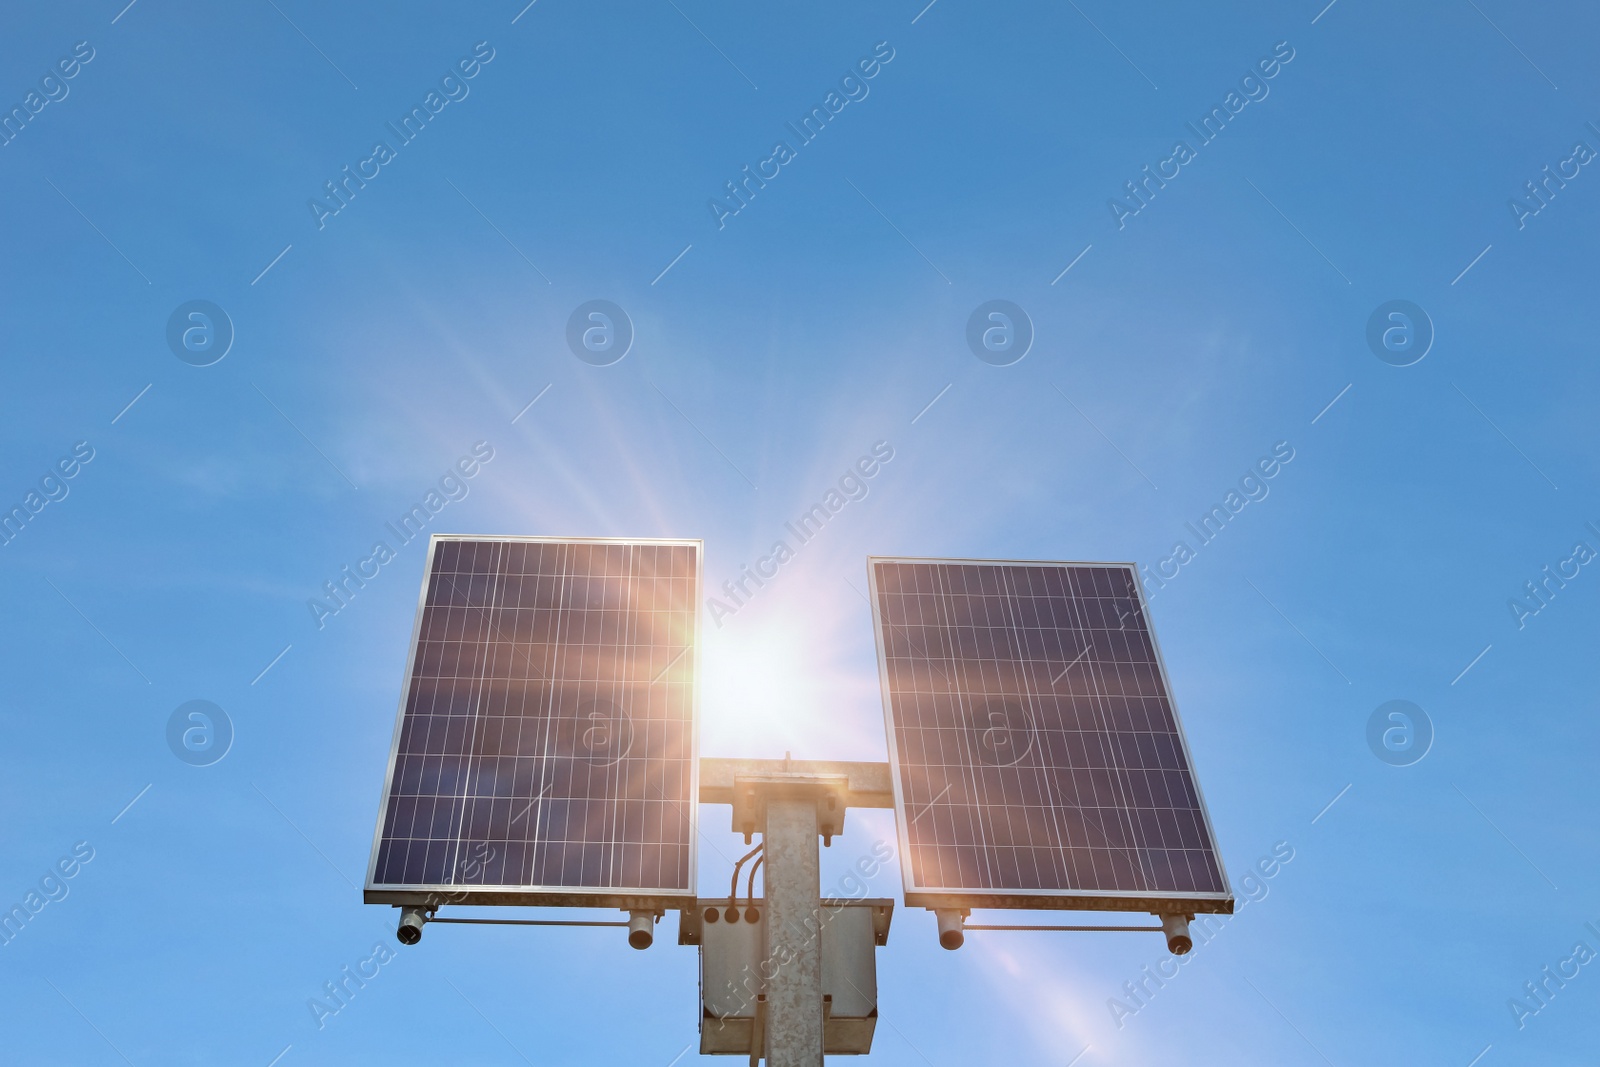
column 734, row 966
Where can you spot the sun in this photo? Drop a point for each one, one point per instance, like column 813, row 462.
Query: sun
column 760, row 687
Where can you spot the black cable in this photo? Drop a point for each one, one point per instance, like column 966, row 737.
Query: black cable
column 751, row 915
column 754, row 867
column 733, row 890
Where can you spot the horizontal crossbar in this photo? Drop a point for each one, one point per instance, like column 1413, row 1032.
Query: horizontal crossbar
column 530, row 922
column 1115, row 929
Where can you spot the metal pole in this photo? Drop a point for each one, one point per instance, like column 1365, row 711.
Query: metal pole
column 794, row 901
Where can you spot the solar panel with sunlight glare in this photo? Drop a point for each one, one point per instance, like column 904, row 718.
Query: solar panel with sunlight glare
column 1037, row 757
column 545, row 751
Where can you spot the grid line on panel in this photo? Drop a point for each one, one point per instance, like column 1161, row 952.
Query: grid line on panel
column 1116, row 738
column 473, row 767
column 1036, row 704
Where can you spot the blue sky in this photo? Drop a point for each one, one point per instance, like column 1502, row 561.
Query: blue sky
column 1227, row 315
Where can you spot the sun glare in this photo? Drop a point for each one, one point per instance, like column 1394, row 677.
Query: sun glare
column 760, row 688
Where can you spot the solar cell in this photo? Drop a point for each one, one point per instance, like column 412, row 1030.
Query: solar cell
column 1037, row 756
column 545, row 750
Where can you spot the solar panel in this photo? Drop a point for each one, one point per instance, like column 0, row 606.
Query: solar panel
column 545, row 750
column 1037, row 756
